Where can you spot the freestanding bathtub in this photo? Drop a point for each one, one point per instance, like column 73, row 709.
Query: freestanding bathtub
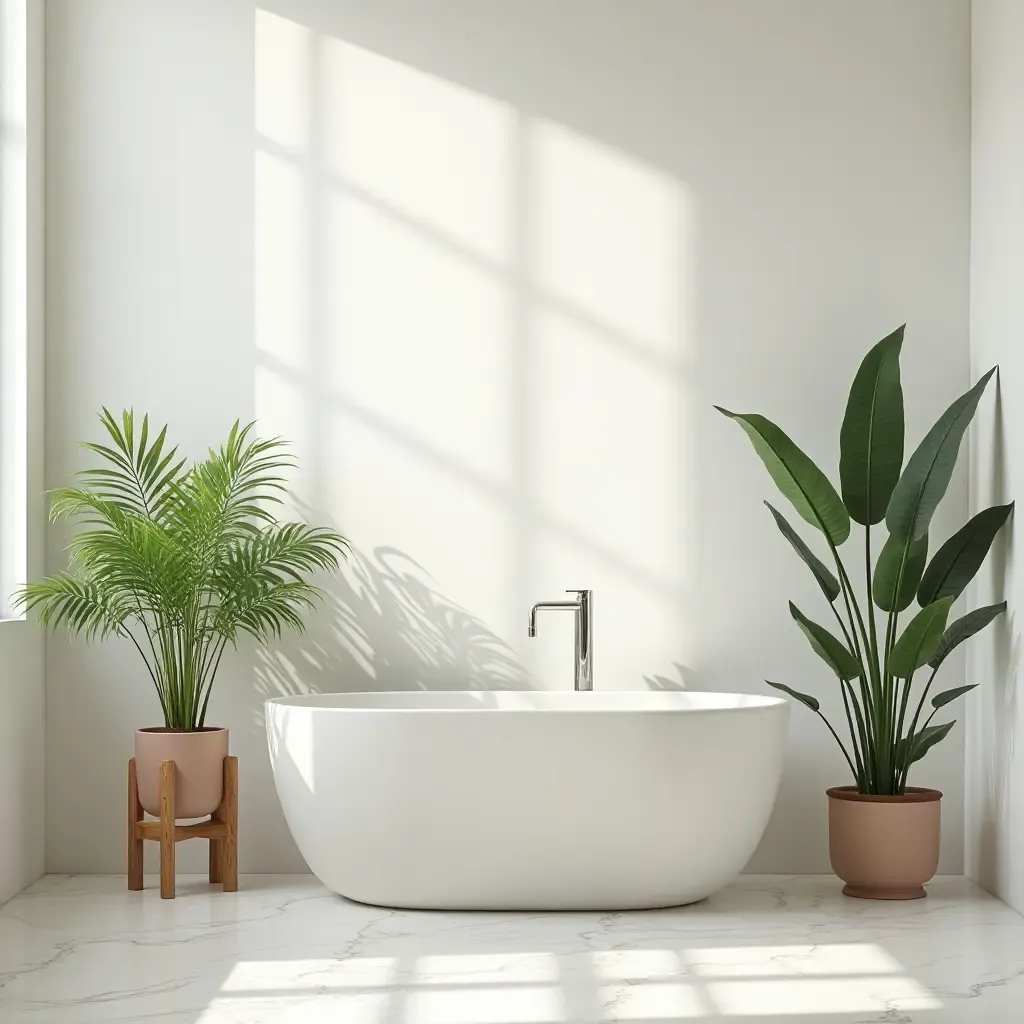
column 527, row 800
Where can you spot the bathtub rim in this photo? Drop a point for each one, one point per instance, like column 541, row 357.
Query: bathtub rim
column 752, row 702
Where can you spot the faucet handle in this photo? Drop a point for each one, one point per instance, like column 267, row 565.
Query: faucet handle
column 579, row 593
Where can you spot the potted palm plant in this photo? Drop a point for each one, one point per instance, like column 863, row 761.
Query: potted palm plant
column 181, row 560
column 883, row 833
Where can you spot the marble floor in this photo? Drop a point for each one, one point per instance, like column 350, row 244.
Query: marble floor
column 768, row 950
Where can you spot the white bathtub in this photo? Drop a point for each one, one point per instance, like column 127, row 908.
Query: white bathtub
column 527, row 800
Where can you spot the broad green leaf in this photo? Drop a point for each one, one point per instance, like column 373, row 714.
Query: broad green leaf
column 924, row 481
column 940, row 700
column 920, row 639
column 923, row 741
column 828, row 583
column 811, row 702
column 957, row 561
column 832, row 651
column 896, row 553
column 799, row 479
column 963, row 629
column 871, row 440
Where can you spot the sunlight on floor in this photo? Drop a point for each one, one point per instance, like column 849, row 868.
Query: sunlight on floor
column 255, row 976
column 539, row 987
column 495, row 1004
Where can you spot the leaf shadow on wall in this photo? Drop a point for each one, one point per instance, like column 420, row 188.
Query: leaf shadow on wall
column 472, row 317
column 385, row 625
column 688, row 679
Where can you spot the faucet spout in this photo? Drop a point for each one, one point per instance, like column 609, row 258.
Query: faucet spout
column 584, row 671
column 544, row 606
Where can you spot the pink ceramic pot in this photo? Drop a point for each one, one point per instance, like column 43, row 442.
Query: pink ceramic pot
column 199, row 761
column 884, row 847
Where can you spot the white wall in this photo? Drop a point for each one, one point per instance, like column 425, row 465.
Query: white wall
column 22, row 689
column 490, row 265
column 995, row 764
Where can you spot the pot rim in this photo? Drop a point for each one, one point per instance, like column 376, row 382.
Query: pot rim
column 912, row 795
column 164, row 731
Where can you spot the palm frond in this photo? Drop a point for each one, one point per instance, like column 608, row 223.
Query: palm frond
column 181, row 560
column 140, row 476
column 260, row 567
column 83, row 605
column 267, row 615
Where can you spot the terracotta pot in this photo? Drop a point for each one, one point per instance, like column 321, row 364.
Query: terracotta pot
column 884, row 847
column 199, row 761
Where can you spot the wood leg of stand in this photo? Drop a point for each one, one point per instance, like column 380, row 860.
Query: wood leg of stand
column 221, row 830
column 216, row 872
column 228, row 813
column 167, row 830
column 134, row 839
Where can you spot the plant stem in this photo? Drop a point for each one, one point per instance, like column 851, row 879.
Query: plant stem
column 898, row 732
column 889, row 738
column 868, row 566
column 846, row 632
column 873, row 644
column 163, row 704
column 149, row 637
column 906, row 768
column 878, row 682
column 209, row 685
column 869, row 676
column 913, row 723
column 850, row 602
column 859, row 737
column 842, row 747
column 860, row 746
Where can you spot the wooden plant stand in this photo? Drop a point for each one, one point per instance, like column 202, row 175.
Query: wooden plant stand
column 221, row 828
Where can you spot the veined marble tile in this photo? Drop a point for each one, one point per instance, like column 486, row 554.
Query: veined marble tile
column 767, row 950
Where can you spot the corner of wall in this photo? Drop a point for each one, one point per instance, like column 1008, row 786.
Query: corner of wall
column 994, row 772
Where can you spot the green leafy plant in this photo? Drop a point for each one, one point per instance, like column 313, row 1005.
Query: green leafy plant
column 181, row 560
column 877, row 664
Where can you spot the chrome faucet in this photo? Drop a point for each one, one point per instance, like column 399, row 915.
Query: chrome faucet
column 584, row 675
